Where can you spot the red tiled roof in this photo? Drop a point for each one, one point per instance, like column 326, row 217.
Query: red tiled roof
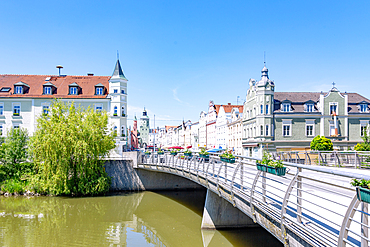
column 36, row 82
column 228, row 108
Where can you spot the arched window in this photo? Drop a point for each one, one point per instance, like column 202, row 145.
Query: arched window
column 261, row 109
column 115, row 111
column 123, row 111
column 123, row 131
column 115, row 130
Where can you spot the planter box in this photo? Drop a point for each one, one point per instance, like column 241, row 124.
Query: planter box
column 261, row 167
column 173, row 154
column 276, row 171
column 188, row 154
column 227, row 160
column 160, row 152
column 206, row 156
column 363, row 194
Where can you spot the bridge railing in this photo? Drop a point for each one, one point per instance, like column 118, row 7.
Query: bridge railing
column 356, row 159
column 316, row 203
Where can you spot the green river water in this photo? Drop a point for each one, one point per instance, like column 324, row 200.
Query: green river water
column 125, row 219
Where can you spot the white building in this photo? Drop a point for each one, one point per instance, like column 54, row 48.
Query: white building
column 235, row 131
column 23, row 98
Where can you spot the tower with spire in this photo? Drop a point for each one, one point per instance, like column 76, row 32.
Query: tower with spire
column 258, row 114
column 118, row 105
column 144, row 128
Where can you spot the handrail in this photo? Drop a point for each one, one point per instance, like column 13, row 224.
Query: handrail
column 318, row 211
column 318, row 169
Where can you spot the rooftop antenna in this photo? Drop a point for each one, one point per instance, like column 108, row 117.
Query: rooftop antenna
column 117, row 55
column 59, row 67
column 264, row 58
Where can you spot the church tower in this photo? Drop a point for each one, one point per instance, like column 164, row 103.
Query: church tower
column 144, row 128
column 118, row 107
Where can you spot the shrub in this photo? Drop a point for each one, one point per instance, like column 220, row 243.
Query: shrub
column 321, row 143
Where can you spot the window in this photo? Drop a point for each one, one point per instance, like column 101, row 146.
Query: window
column 267, row 130
column 16, row 126
column 123, row 131
column 286, row 107
column 267, row 109
column 310, row 127
column 309, row 107
column 98, row 107
column 333, row 108
column 364, row 124
column 261, row 109
column 115, row 111
column 45, row 109
column 1, row 108
column 122, row 91
column 99, row 90
column 47, row 90
column 286, row 130
column 261, row 130
column 363, row 107
column 115, row 91
column 16, row 109
column 123, row 111
column 287, row 126
column 1, row 130
column 19, row 89
column 5, row 89
column 73, row 90
column 309, row 130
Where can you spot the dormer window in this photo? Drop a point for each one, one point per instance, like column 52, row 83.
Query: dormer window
column 309, row 107
column 47, row 90
column 286, row 107
column 18, row 89
column 73, row 88
column 363, row 107
column 99, row 89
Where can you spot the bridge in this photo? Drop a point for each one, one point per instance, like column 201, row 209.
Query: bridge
column 309, row 206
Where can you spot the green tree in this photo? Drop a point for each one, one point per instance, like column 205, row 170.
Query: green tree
column 321, row 143
column 68, row 147
column 364, row 146
column 13, row 152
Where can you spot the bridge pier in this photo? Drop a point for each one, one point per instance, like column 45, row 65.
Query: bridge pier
column 219, row 213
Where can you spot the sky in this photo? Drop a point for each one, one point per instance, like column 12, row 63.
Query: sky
column 178, row 55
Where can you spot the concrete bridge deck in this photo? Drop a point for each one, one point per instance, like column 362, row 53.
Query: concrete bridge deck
column 309, row 206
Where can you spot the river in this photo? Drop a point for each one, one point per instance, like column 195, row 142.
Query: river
column 124, row 219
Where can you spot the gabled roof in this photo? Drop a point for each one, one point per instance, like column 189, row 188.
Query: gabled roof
column 228, row 108
column 73, row 85
column 36, row 83
column 49, row 84
column 21, row 83
column 118, row 73
column 99, row 85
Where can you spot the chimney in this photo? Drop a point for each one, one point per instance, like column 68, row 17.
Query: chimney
column 90, row 74
column 59, row 67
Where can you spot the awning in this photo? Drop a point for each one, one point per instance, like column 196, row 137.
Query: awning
column 251, row 145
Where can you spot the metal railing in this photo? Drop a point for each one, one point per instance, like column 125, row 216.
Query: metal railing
column 318, row 204
column 356, row 159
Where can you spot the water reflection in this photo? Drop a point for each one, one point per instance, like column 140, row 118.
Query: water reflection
column 135, row 219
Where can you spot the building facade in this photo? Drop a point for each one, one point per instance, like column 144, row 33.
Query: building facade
column 23, row 98
column 288, row 121
column 144, row 130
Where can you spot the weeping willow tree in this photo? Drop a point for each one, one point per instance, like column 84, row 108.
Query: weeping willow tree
column 67, row 147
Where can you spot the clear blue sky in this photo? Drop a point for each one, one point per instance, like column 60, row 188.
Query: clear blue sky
column 178, row 55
